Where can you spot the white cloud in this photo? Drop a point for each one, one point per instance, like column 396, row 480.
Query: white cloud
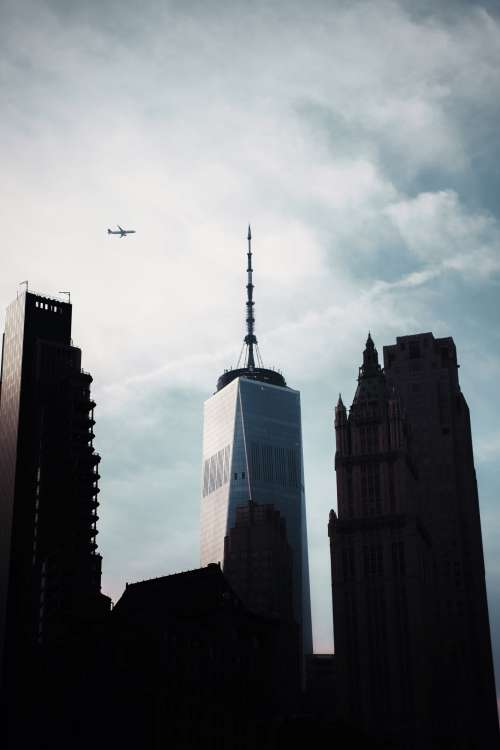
column 186, row 121
column 437, row 229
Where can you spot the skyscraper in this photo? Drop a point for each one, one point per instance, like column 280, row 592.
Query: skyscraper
column 50, row 570
column 252, row 453
column 424, row 370
column 380, row 554
column 409, row 599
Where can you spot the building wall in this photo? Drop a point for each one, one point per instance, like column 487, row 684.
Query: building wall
column 28, row 319
column 258, row 561
column 48, row 483
column 380, row 554
column 425, row 372
column 257, row 426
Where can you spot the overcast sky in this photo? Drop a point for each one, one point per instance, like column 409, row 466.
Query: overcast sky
column 361, row 139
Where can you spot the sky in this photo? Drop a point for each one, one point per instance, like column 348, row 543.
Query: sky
column 361, row 141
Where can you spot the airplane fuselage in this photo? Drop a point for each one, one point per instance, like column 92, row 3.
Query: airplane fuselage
column 121, row 232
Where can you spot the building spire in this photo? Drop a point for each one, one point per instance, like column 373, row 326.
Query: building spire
column 250, row 338
column 370, row 366
column 250, row 364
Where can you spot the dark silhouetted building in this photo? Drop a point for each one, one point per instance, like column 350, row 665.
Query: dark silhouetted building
column 409, row 605
column 50, row 571
column 252, row 452
column 321, row 686
column 381, row 562
column 190, row 667
column 258, row 561
column 424, row 371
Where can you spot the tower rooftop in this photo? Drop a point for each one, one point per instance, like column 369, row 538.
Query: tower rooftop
column 250, row 347
column 273, row 377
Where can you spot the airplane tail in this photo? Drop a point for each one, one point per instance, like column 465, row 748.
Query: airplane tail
column 109, row 231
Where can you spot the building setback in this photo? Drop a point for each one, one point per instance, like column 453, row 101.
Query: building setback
column 252, row 453
column 50, row 571
column 409, row 603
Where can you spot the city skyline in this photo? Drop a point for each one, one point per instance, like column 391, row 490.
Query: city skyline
column 372, row 199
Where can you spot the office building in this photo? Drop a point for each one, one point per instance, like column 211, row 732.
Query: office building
column 50, row 570
column 411, row 626
column 252, row 453
column 424, row 371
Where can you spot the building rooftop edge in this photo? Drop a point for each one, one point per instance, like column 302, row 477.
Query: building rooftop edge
column 261, row 374
column 41, row 295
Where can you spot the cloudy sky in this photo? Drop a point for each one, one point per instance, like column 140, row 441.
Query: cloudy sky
column 360, row 139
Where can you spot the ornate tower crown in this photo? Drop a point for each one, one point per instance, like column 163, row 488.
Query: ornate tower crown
column 370, row 366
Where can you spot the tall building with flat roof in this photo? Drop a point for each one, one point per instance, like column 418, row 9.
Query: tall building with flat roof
column 50, row 570
column 424, row 370
column 252, row 453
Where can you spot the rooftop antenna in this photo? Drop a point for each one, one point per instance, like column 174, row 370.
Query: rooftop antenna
column 250, row 338
column 69, row 296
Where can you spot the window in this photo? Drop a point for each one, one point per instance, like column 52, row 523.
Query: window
column 274, row 464
column 368, row 438
column 267, row 460
column 348, row 563
column 216, row 471
column 373, row 561
column 293, row 475
column 370, row 489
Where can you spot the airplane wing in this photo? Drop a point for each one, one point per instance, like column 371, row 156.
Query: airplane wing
column 120, row 228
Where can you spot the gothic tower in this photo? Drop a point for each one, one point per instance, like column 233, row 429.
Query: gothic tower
column 380, row 555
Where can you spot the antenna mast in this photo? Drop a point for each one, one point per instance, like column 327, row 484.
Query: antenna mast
column 250, row 338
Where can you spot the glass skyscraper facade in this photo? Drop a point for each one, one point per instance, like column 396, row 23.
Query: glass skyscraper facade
column 252, row 453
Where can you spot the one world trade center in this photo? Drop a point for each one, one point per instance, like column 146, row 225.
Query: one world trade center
column 253, row 519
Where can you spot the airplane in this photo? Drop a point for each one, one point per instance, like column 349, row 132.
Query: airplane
column 121, row 232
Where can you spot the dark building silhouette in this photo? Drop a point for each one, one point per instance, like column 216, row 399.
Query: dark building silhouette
column 396, row 656
column 425, row 372
column 321, row 686
column 188, row 666
column 380, row 565
column 50, row 571
column 259, row 562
